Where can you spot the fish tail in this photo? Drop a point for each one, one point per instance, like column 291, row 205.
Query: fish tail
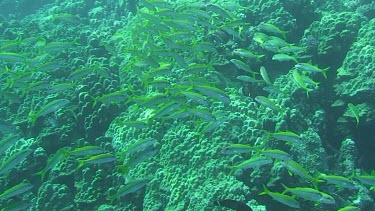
column 81, row 163
column 315, row 182
column 9, row 82
column 324, row 74
column 65, row 152
column 265, row 191
column 268, row 135
column 285, row 187
column 284, row 34
column 124, row 169
column 232, row 170
column 42, row 174
column 95, row 100
column 32, row 118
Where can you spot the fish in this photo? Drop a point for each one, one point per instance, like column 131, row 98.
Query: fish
column 197, row 68
column 53, row 47
column 311, row 68
column 86, row 150
column 114, row 97
column 213, row 92
column 246, row 54
column 274, row 90
column 268, row 27
column 270, row 46
column 11, row 45
column 60, row 87
column 219, row 10
column 130, row 187
column 137, row 158
column 150, row 100
column 20, row 80
column 349, row 208
column 16, row 190
column 195, row 97
column 14, row 160
column 213, row 125
column 268, row 103
column 254, row 162
column 260, row 38
column 66, row 18
column 161, row 4
column 8, row 141
column 47, row 109
column 49, row 66
column 178, row 36
column 11, row 97
column 179, row 114
column 148, row 5
column 366, row 179
column 296, row 168
column 18, row 206
column 103, row 72
column 7, row 127
column 242, row 66
column 233, row 205
column 12, row 57
column 354, row 110
column 165, row 109
column 248, row 79
column 307, row 80
column 56, row 158
column 229, row 30
column 80, row 73
column 32, row 40
column 276, row 154
column 163, row 70
column 202, row 113
column 139, row 145
column 282, row 198
column 204, row 47
column 264, row 74
column 97, row 159
column 238, row 148
column 292, row 49
column 284, row 57
column 310, row 194
column 339, row 181
column 299, row 81
column 160, row 83
column 276, row 42
column 37, row 86
column 287, row 136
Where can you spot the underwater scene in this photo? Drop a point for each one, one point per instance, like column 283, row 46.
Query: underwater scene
column 127, row 105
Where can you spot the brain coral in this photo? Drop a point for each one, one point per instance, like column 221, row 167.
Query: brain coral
column 356, row 76
column 335, row 33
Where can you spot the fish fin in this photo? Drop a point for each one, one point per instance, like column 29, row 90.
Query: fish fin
column 352, row 175
column 42, row 174
column 315, row 183
column 232, row 170
column 123, row 169
column 308, row 91
column 324, row 74
column 268, row 135
column 81, row 163
column 286, row 188
column 32, row 118
column 265, row 190
column 95, row 100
